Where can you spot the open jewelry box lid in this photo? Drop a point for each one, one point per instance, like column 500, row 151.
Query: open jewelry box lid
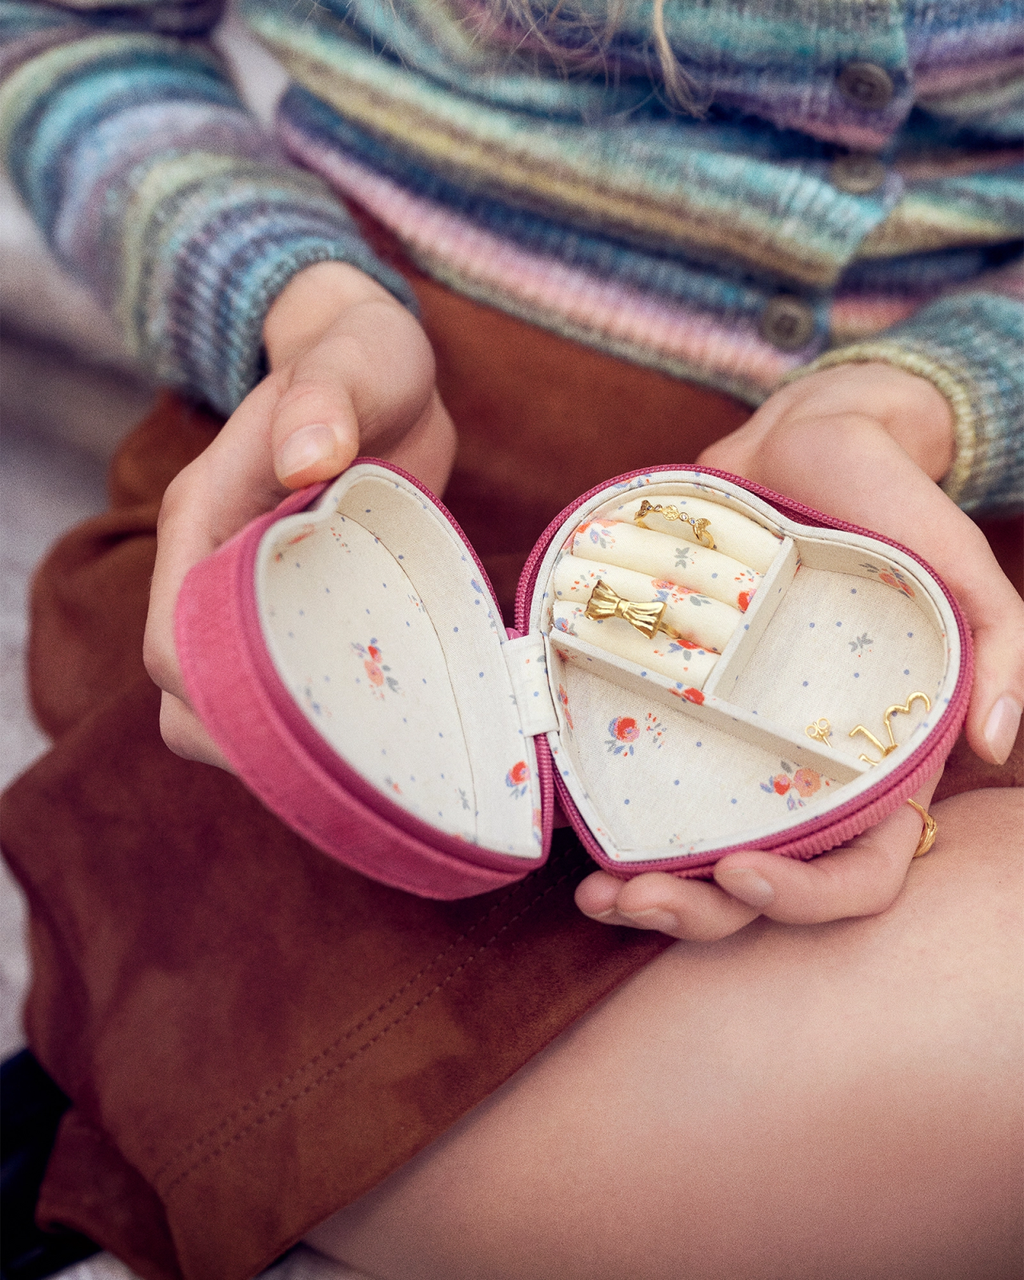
column 347, row 654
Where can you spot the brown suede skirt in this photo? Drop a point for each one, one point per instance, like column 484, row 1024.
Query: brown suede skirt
column 251, row 1034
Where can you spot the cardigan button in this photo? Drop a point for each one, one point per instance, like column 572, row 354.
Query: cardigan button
column 857, row 174
column 787, row 322
column 866, row 85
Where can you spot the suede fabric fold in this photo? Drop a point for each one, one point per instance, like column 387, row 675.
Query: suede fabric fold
column 251, row 1034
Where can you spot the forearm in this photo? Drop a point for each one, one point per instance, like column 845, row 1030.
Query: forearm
column 156, row 187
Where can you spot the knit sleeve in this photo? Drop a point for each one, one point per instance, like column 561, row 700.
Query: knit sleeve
column 970, row 346
column 155, row 186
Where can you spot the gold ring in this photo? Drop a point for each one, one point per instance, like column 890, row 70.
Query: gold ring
column 931, row 828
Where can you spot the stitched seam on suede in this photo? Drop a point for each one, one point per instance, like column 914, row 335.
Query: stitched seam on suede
column 283, row 1083
column 340, row 1066
column 347, row 1035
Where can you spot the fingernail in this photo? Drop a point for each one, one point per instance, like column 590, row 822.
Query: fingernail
column 305, row 448
column 1001, row 727
column 662, row 921
column 747, row 885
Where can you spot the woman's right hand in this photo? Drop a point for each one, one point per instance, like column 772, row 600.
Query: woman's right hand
column 351, row 372
column 866, row 443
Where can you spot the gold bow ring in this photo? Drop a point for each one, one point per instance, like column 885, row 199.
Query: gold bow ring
column 606, row 603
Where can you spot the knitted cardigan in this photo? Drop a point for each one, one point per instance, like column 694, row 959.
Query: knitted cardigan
column 533, row 160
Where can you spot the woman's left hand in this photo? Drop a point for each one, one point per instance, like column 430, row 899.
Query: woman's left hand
column 865, row 443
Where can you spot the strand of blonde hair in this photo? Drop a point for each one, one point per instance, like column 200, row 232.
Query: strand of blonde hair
column 678, row 88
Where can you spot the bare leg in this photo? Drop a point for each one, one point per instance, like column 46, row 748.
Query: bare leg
column 836, row 1102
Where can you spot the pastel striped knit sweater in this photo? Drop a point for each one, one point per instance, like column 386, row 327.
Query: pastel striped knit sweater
column 735, row 244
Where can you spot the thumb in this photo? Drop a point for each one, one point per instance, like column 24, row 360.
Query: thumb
column 995, row 614
column 369, row 378
column 993, row 719
column 314, row 431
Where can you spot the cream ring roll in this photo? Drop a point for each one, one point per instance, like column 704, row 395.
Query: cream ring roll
column 689, row 668
column 734, row 534
column 707, row 623
column 667, row 558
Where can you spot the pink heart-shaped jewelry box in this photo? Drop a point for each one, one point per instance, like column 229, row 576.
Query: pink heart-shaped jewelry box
column 346, row 652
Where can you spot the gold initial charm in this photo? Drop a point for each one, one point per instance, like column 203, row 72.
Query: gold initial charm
column 605, row 603
column 896, row 709
column 700, row 527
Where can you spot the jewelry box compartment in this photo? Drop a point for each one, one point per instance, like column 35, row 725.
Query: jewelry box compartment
column 381, row 626
column 685, row 730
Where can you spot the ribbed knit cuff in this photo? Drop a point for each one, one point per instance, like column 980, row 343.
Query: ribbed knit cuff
column 199, row 322
column 969, row 347
column 158, row 190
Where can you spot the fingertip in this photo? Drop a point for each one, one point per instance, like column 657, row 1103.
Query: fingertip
column 692, row 910
column 745, row 884
column 184, row 734
column 995, row 613
column 312, row 453
column 999, row 730
column 595, row 896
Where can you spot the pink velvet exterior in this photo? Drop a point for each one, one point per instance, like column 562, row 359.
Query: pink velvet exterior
column 248, row 712
column 238, row 694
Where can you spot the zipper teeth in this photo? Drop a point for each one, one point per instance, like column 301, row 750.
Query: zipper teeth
column 546, row 772
column 527, row 578
column 700, row 861
column 804, row 831
column 579, row 824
